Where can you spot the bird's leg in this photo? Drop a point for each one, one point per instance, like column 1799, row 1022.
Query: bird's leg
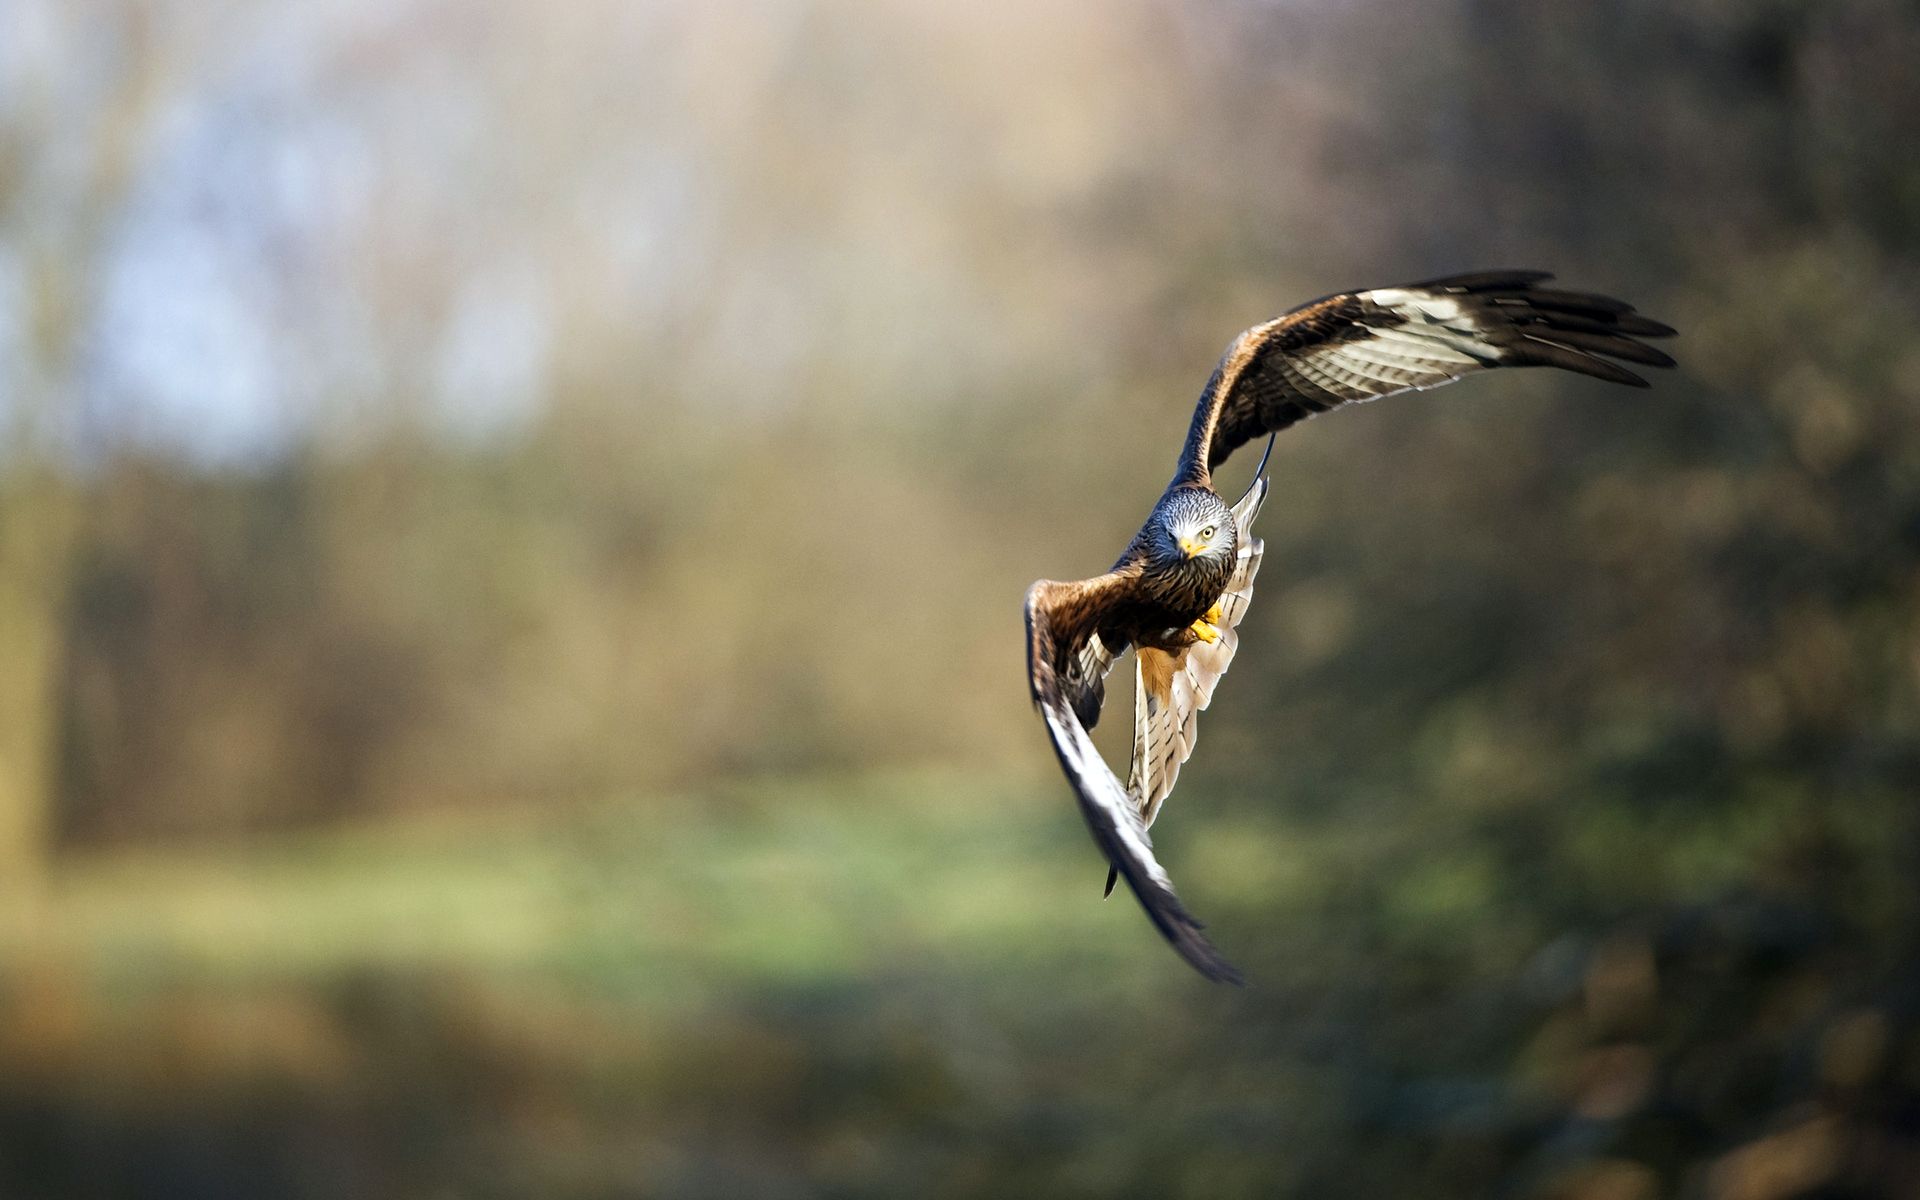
column 1206, row 628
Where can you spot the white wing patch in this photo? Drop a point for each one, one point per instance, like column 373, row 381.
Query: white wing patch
column 1164, row 734
column 1439, row 342
column 1430, row 307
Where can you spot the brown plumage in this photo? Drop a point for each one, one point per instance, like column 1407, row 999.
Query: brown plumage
column 1195, row 554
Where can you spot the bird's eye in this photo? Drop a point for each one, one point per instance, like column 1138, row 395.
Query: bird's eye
column 1206, row 535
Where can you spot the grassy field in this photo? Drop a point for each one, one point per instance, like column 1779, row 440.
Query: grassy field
column 662, row 903
column 762, row 989
column 903, row 982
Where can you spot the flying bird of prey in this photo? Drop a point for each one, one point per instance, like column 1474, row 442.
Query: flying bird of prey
column 1184, row 582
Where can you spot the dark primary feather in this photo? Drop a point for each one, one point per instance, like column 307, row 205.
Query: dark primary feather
column 1362, row 345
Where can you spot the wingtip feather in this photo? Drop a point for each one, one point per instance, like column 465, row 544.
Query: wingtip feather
column 1115, row 827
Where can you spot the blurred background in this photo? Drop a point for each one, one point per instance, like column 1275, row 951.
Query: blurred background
column 513, row 520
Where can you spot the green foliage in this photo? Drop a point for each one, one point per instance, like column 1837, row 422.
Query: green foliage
column 855, row 981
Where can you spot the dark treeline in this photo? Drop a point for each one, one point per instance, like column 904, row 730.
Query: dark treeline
column 376, row 609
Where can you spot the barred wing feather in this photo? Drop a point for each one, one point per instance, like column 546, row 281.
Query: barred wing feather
column 1170, row 691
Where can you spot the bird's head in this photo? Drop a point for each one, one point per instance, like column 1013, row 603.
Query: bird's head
column 1193, row 524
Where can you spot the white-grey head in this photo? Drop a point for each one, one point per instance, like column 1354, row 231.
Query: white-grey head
column 1192, row 524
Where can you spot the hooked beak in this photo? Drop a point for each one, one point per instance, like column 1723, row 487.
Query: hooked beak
column 1191, row 549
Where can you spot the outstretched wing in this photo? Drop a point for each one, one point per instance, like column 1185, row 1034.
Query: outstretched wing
column 1061, row 617
column 1364, row 345
column 1169, row 690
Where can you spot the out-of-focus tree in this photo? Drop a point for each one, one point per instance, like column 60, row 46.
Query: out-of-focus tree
column 571, row 367
column 84, row 90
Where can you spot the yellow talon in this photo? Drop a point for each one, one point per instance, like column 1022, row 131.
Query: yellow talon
column 1213, row 614
column 1205, row 630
